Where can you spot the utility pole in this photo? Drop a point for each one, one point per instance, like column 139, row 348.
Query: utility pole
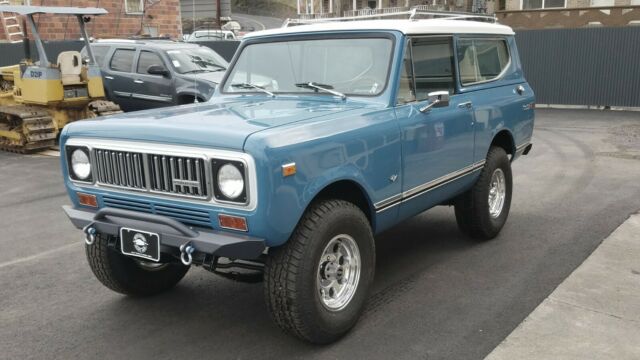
column 218, row 10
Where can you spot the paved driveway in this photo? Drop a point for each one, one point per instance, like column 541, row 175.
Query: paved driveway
column 437, row 295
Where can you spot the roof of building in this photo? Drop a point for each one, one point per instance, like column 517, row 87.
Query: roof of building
column 29, row 10
column 405, row 26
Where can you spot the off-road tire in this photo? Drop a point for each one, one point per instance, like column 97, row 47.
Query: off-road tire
column 126, row 276
column 472, row 207
column 291, row 270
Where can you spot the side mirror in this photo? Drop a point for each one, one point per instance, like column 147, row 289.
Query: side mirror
column 157, row 70
column 436, row 99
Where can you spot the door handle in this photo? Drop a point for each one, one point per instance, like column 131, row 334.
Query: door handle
column 108, row 77
column 520, row 89
column 465, row 105
column 138, row 81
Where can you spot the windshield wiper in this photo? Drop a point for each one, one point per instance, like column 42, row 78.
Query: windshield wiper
column 194, row 71
column 321, row 87
column 253, row 86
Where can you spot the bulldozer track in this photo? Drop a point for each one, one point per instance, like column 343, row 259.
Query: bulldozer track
column 104, row 107
column 33, row 125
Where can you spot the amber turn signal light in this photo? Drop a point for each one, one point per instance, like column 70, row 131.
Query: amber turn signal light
column 288, row 169
column 232, row 222
column 87, row 200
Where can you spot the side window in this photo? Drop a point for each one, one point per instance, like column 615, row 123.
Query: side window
column 481, row 59
column 146, row 59
column 122, row 60
column 99, row 52
column 406, row 91
column 432, row 65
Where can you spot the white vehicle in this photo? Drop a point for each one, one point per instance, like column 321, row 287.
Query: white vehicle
column 211, row 35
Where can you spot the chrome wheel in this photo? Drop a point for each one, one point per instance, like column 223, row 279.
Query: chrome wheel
column 338, row 272
column 497, row 193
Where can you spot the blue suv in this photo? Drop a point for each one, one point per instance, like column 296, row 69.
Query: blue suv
column 318, row 138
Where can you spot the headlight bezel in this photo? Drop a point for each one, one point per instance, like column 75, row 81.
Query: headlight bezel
column 216, row 165
column 70, row 150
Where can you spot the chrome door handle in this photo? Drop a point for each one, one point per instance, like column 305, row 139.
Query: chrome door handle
column 520, row 89
column 108, row 77
column 465, row 105
column 138, row 81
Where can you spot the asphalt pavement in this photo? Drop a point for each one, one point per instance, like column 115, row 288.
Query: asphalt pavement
column 437, row 294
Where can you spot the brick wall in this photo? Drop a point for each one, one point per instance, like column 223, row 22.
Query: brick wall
column 161, row 17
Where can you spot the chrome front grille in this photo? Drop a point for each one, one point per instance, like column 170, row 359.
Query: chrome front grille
column 120, row 168
column 175, row 175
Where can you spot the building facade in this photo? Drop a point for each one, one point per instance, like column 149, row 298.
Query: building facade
column 333, row 8
column 126, row 18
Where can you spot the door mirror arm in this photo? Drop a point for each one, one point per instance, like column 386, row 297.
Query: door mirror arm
column 436, row 99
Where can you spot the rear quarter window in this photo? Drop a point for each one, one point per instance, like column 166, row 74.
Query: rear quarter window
column 482, row 60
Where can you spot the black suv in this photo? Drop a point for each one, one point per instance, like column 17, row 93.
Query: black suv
column 143, row 74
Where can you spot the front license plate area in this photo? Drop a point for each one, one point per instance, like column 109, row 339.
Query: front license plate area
column 142, row 244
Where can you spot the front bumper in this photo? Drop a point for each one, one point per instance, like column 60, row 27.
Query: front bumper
column 173, row 234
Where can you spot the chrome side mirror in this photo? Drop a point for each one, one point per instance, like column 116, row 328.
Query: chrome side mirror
column 436, row 99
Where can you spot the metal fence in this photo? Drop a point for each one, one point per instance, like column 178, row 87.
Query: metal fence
column 584, row 66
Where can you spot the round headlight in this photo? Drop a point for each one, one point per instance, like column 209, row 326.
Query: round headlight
column 80, row 164
column 230, row 181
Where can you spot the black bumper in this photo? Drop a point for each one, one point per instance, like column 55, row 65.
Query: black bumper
column 172, row 233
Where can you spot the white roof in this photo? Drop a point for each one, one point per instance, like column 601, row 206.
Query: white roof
column 406, row 26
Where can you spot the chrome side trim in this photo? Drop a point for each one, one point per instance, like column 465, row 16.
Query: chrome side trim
column 151, row 97
column 122, row 93
column 178, row 151
column 426, row 187
column 387, row 201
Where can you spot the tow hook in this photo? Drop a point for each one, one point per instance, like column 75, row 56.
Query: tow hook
column 90, row 235
column 186, row 250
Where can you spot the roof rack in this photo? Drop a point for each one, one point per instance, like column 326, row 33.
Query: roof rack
column 413, row 14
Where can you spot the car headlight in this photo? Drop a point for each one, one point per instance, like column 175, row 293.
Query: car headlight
column 80, row 165
column 230, row 181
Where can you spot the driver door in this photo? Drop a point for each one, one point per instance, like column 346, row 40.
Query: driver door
column 438, row 143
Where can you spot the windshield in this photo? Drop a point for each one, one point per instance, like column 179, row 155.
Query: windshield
column 196, row 60
column 346, row 66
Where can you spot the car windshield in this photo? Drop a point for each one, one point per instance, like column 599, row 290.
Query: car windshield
column 195, row 60
column 349, row 66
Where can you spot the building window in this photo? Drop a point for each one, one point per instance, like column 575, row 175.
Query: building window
column 543, row 4
column 134, row 6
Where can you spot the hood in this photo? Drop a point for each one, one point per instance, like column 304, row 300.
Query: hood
column 211, row 76
column 218, row 125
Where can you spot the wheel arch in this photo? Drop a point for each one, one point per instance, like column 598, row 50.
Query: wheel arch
column 348, row 190
column 183, row 97
column 504, row 139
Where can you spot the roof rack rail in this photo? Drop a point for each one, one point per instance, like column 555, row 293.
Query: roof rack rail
column 413, row 14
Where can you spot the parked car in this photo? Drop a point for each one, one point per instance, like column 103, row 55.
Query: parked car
column 144, row 74
column 318, row 138
column 211, row 35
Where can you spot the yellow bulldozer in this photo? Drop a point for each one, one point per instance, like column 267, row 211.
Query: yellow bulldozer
column 37, row 98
